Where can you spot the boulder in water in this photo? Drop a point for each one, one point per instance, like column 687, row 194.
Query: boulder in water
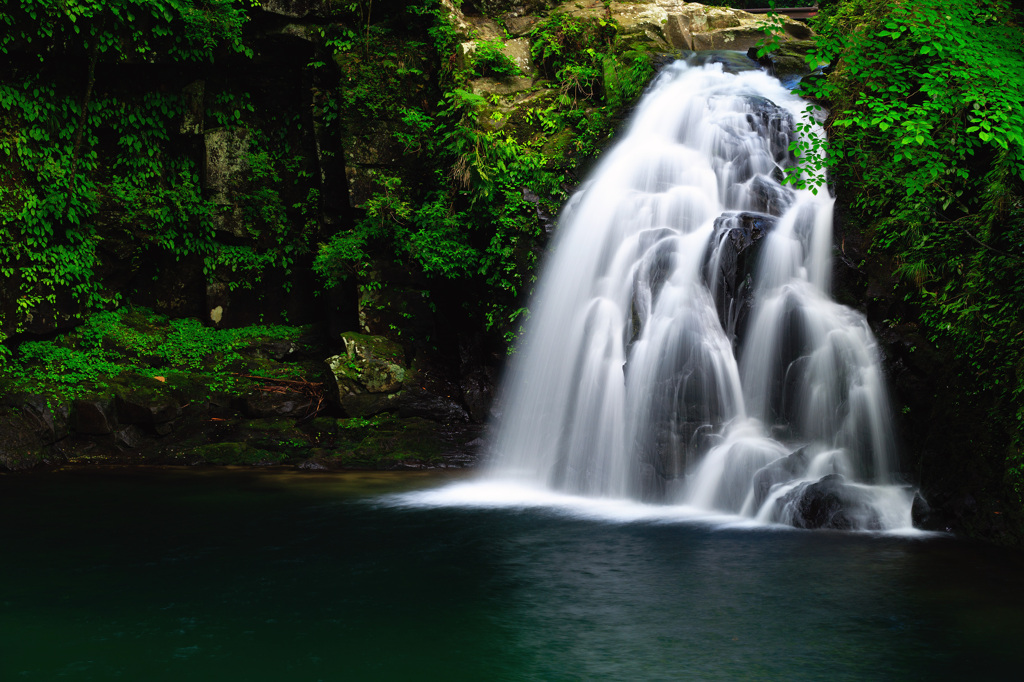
column 828, row 503
column 927, row 517
column 768, row 196
column 776, row 124
column 782, row 470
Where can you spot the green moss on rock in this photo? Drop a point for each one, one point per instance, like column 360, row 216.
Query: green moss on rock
column 237, row 453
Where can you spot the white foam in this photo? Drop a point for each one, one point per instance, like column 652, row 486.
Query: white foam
column 490, row 494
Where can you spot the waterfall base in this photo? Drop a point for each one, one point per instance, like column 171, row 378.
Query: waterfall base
column 683, row 347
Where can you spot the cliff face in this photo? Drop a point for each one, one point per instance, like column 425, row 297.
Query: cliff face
column 384, row 176
column 387, row 169
column 193, row 159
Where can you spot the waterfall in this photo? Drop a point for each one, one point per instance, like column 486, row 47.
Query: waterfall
column 683, row 347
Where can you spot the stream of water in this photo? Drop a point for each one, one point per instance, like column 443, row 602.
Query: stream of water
column 683, row 347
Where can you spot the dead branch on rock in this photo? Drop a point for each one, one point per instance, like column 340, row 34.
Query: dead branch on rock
column 312, row 390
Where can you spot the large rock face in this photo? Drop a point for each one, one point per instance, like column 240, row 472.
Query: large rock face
column 671, row 24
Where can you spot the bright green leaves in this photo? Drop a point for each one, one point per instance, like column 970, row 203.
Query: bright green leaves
column 927, row 139
column 52, row 195
column 187, row 30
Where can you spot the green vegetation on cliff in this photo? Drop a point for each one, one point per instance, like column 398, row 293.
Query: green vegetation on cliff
column 99, row 175
column 926, row 146
column 486, row 151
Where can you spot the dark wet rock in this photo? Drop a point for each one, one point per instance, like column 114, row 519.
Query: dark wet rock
column 271, row 402
column 730, row 264
column 670, row 453
column 782, row 470
column 276, row 350
column 313, row 465
column 478, row 396
column 828, row 503
column 130, row 438
column 769, row 196
column 925, row 517
column 418, row 402
column 164, row 428
column 20, row 445
column 774, row 123
column 49, row 418
column 94, row 416
column 369, row 404
column 146, row 406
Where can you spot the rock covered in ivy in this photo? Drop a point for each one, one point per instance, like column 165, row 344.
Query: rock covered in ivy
column 788, row 59
column 227, row 168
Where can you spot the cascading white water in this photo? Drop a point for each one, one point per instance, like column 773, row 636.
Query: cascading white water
column 683, row 347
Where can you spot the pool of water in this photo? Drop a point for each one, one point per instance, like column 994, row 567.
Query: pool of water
column 251, row 575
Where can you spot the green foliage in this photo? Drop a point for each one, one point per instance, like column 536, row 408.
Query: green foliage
column 572, row 51
column 488, row 60
column 184, row 30
column 472, row 216
column 927, row 136
column 82, row 166
column 110, row 344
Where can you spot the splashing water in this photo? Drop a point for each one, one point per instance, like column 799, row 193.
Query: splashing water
column 683, row 347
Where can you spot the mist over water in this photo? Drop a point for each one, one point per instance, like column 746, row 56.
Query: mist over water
column 683, row 347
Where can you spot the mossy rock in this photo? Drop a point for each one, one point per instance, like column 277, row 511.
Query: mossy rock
column 277, row 436
column 390, row 443
column 143, row 400
column 788, row 59
column 237, row 453
column 368, row 374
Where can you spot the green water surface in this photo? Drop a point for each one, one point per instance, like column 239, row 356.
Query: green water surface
column 177, row 574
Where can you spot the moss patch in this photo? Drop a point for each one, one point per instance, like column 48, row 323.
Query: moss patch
column 237, row 453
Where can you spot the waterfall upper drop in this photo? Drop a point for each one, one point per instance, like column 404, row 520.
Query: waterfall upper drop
column 683, row 346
